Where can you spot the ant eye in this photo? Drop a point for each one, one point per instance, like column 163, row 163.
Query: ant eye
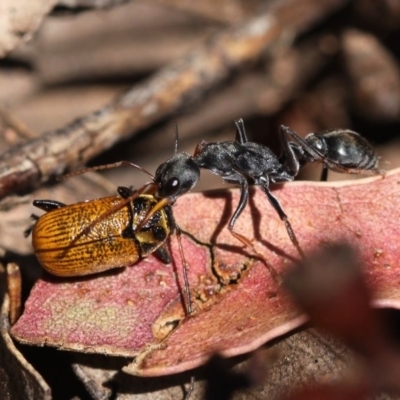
column 171, row 186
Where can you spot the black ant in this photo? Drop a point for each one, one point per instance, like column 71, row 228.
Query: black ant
column 245, row 163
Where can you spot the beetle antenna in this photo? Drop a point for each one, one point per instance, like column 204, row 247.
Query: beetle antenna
column 107, row 166
column 148, row 188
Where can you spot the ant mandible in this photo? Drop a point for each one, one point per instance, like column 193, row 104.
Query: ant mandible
column 245, row 163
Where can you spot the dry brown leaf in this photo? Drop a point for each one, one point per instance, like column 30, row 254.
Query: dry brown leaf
column 19, row 380
column 19, row 20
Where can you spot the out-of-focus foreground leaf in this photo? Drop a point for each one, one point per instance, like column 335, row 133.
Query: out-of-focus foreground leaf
column 132, row 312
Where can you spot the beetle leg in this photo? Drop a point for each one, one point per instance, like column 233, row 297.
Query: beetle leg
column 125, row 192
column 28, row 231
column 163, row 254
column 45, row 205
column 48, row 205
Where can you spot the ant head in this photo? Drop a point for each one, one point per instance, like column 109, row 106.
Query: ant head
column 176, row 176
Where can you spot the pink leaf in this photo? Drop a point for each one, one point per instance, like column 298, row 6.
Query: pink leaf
column 110, row 313
column 365, row 213
column 132, row 312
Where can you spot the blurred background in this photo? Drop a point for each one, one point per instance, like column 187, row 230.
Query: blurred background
column 340, row 70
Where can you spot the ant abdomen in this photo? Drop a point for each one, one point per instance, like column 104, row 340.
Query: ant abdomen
column 343, row 150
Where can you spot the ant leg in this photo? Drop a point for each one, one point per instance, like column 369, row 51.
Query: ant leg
column 188, row 301
column 291, row 151
column 199, row 148
column 327, row 164
column 275, row 203
column 244, row 196
column 299, row 152
column 165, row 256
column 308, row 153
column 178, row 232
column 324, row 173
column 305, row 149
column 345, row 170
column 190, row 390
column 241, row 136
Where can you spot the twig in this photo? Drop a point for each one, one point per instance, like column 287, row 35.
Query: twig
column 171, row 89
column 85, row 4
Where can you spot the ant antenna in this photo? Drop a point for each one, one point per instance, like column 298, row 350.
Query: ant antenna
column 107, row 166
column 176, row 138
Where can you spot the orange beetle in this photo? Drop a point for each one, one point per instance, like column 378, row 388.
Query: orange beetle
column 64, row 247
